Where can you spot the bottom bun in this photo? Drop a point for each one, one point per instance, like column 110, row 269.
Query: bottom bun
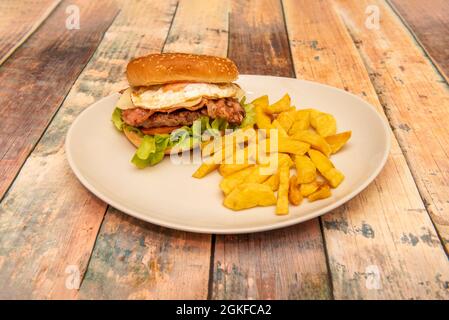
column 136, row 139
column 160, row 130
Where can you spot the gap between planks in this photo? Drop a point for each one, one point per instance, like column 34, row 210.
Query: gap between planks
column 437, row 70
column 32, row 29
column 425, row 194
column 418, row 41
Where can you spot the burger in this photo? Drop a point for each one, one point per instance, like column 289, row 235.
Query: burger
column 173, row 95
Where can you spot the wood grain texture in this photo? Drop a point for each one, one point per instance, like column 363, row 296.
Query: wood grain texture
column 258, row 42
column 210, row 36
column 416, row 100
column 135, row 260
column 288, row 263
column 48, row 221
column 381, row 244
column 18, row 20
column 38, row 76
column 429, row 22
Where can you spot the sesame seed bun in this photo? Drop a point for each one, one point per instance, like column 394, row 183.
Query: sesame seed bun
column 179, row 67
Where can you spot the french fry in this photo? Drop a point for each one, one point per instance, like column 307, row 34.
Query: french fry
column 286, row 119
column 337, row 141
column 305, row 169
column 323, row 192
column 204, row 170
column 273, row 182
column 285, row 160
column 242, row 159
column 282, row 159
column 223, row 144
column 263, row 120
column 326, row 168
column 230, row 182
column 253, row 169
column 294, row 195
column 315, row 140
column 334, row 176
column 314, row 114
column 256, row 176
column 303, row 114
column 249, row 195
column 282, row 201
column 261, row 101
column 279, row 106
column 226, row 169
column 325, row 125
column 281, row 131
column 302, row 122
column 307, row 189
column 321, row 162
column 288, row 145
column 292, row 146
column 226, row 147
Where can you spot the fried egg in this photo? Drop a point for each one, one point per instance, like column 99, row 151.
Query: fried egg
column 176, row 95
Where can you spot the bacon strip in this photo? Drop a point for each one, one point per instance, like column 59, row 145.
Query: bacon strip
column 225, row 108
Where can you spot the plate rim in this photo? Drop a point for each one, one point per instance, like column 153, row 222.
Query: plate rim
column 204, row 230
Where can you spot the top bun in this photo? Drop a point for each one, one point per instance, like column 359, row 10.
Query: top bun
column 176, row 67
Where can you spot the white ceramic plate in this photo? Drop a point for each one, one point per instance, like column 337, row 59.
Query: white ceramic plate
column 167, row 195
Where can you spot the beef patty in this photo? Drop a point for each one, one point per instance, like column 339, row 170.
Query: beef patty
column 227, row 108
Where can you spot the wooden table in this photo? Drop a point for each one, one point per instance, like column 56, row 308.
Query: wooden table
column 391, row 241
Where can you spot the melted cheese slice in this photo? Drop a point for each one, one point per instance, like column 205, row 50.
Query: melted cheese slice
column 176, row 95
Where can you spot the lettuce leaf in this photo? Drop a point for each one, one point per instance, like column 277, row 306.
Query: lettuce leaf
column 117, row 119
column 140, row 163
column 151, row 151
column 133, row 129
column 179, row 135
column 161, row 141
column 250, row 116
column 156, row 157
column 205, row 124
column 219, row 124
column 147, row 146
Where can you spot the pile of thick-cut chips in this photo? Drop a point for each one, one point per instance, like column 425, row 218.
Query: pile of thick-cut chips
column 258, row 172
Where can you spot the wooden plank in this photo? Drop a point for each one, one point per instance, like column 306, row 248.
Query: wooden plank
column 381, row 244
column 135, row 260
column 288, row 263
column 258, row 42
column 48, row 221
column 416, row 100
column 429, row 22
column 210, row 36
column 39, row 75
column 18, row 20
